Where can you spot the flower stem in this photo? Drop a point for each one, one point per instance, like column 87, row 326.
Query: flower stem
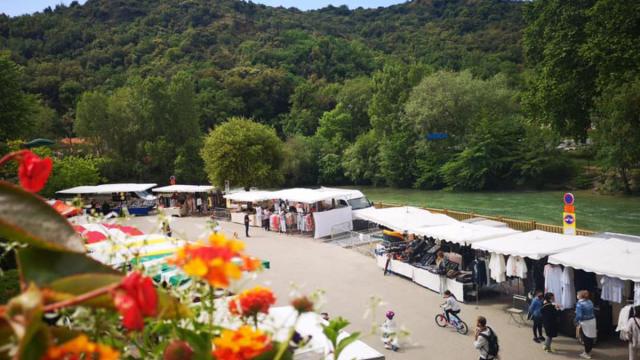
column 81, row 298
column 285, row 344
column 10, row 156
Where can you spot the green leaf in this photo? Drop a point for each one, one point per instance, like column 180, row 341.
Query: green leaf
column 69, row 274
column 27, row 218
column 200, row 343
column 346, row 341
column 43, row 266
column 24, row 314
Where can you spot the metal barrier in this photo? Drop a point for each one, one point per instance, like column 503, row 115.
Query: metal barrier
column 221, row 214
column 361, row 242
column 522, row 225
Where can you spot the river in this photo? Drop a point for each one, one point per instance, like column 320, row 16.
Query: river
column 593, row 211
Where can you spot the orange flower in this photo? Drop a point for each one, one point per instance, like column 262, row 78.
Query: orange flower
column 81, row 348
column 250, row 303
column 242, row 344
column 218, row 262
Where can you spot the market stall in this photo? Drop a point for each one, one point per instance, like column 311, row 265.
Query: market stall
column 184, row 200
column 615, row 268
column 321, row 211
column 405, row 218
column 462, row 233
column 247, row 202
column 134, row 198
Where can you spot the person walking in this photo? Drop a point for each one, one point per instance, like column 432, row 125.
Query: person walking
column 486, row 341
column 586, row 320
column 441, row 264
column 633, row 334
column 550, row 312
column 246, row 224
column 535, row 315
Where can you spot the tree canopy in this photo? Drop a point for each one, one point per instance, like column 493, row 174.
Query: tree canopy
column 243, row 152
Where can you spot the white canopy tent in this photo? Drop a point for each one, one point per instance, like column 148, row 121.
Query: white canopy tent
column 183, row 189
column 462, row 233
column 402, row 219
column 310, row 196
column 249, row 196
column 612, row 257
column 534, row 244
column 348, row 194
column 107, row 189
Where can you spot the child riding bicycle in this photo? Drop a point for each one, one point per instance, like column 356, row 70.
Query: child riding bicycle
column 450, row 306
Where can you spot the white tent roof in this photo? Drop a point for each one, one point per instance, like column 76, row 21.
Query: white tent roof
column 107, row 189
column 183, row 189
column 402, row 219
column 310, row 196
column 249, row 196
column 348, row 194
column 612, row 257
column 462, row 233
column 534, row 244
column 486, row 222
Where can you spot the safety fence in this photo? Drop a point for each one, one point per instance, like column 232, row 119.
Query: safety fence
column 522, row 225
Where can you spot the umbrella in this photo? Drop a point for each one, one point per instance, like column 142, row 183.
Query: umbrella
column 131, row 230
column 79, row 229
column 38, row 142
column 93, row 236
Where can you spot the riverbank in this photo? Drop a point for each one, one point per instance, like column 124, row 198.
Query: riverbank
column 593, row 211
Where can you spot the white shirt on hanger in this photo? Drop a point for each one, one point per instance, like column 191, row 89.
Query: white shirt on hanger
column 553, row 279
column 611, row 289
column 516, row 266
column 568, row 299
column 497, row 268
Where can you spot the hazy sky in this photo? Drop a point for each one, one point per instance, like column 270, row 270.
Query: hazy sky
column 19, row 7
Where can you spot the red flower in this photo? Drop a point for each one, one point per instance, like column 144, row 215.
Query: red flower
column 134, row 298
column 33, row 171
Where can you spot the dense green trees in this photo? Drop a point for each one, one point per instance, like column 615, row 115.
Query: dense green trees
column 243, row 152
column 351, row 95
column 146, row 130
column 71, row 171
column 585, row 57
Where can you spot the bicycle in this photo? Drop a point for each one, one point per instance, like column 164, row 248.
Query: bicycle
column 457, row 323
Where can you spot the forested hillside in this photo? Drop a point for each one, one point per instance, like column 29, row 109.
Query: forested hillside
column 351, row 94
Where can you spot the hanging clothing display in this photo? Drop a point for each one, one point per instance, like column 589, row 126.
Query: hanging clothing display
column 553, row 279
column 283, row 223
column 308, row 220
column 275, row 222
column 568, row 299
column 611, row 289
column 636, row 294
column 479, row 272
column 516, row 267
column 258, row 215
column 497, row 268
column 623, row 317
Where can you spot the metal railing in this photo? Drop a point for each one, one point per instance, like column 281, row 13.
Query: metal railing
column 522, row 225
column 221, row 214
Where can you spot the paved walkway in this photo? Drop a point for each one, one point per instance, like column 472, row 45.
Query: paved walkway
column 351, row 279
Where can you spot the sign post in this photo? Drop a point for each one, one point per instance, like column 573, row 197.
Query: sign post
column 569, row 215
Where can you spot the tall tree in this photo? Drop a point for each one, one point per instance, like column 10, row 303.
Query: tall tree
column 244, row 152
column 562, row 87
column 16, row 107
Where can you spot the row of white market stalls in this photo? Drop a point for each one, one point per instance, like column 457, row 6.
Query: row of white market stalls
column 321, row 212
column 178, row 200
column 493, row 256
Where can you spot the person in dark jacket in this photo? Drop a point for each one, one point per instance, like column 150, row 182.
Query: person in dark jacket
column 246, row 225
column 536, row 315
column 550, row 312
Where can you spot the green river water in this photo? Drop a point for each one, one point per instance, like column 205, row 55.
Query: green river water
column 593, row 211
